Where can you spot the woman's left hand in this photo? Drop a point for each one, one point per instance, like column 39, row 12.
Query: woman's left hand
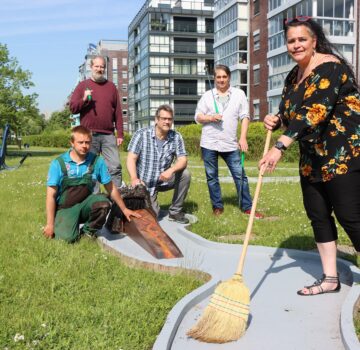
column 269, row 161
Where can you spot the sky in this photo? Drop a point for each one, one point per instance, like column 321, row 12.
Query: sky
column 49, row 38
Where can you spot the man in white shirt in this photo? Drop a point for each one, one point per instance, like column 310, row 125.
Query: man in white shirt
column 219, row 111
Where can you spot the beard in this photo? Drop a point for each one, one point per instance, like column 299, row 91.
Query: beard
column 98, row 77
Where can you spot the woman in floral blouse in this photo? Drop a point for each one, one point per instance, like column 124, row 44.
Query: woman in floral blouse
column 320, row 109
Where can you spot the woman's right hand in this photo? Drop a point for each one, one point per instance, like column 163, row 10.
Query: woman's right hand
column 271, row 121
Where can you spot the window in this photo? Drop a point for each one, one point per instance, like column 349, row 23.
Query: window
column 124, row 61
column 159, row 86
column 124, row 74
column 256, row 71
column 124, row 112
column 256, row 105
column 115, row 78
column 185, row 45
column 256, row 7
column 256, row 37
column 185, row 24
column 185, row 87
column 243, row 43
column 185, row 66
column 124, row 87
column 159, row 65
column 124, row 100
column 209, row 25
column 159, row 43
column 114, row 64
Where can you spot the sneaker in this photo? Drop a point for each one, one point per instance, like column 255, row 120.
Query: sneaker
column 179, row 217
column 256, row 216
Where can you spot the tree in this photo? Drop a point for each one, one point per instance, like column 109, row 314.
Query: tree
column 59, row 120
column 16, row 108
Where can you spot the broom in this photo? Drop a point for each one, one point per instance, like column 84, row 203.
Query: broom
column 225, row 318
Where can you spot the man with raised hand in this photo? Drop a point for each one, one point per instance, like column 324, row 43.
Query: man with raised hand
column 97, row 101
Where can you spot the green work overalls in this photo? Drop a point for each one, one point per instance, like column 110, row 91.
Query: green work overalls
column 77, row 204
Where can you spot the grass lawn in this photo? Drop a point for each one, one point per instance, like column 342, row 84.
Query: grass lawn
column 60, row 296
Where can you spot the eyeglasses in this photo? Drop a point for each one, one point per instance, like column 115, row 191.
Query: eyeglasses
column 170, row 120
column 288, row 21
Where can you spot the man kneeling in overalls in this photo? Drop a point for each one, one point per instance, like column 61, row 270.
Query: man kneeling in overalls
column 69, row 198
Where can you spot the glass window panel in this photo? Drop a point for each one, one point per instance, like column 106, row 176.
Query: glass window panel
column 243, row 75
column 349, row 9
column 243, row 42
column 339, row 8
column 328, row 8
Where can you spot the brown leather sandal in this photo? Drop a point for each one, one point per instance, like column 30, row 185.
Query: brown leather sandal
column 318, row 283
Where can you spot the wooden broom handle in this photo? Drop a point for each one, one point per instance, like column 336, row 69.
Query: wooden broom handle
column 253, row 208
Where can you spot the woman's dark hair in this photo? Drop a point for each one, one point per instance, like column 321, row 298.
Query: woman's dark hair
column 323, row 45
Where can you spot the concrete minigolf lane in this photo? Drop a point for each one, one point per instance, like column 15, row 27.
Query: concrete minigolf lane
column 279, row 318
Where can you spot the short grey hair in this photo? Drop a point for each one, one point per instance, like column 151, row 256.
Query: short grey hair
column 97, row 57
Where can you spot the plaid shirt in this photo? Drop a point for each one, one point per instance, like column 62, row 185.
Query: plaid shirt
column 151, row 163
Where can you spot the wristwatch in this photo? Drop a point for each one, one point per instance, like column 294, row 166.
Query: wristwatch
column 280, row 146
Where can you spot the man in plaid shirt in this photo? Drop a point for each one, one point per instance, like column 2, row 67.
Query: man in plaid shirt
column 151, row 154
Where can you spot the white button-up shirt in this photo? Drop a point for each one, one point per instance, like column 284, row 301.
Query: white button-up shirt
column 222, row 136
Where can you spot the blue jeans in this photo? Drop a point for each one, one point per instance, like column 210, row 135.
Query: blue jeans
column 233, row 161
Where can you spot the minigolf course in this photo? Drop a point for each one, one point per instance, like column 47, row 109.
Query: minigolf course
column 279, row 318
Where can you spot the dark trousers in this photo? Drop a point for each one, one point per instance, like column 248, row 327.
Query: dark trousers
column 91, row 212
column 340, row 196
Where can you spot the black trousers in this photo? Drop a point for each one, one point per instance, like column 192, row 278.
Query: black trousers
column 340, row 196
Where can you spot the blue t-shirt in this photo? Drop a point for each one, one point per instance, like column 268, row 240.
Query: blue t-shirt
column 77, row 170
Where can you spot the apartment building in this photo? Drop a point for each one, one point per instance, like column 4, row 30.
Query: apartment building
column 231, row 39
column 170, row 43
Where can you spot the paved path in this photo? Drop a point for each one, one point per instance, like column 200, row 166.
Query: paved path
column 279, row 318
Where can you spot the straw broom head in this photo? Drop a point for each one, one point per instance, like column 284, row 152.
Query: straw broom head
column 225, row 318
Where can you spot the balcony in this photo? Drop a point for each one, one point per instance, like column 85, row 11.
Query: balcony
column 189, row 47
column 181, row 28
column 185, row 87
column 186, row 91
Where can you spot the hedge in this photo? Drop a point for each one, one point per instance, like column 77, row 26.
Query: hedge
column 59, row 138
column 191, row 135
column 255, row 138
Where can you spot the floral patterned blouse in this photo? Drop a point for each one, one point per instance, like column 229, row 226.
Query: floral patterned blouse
column 323, row 114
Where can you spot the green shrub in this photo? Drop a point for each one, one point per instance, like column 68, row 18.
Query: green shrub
column 57, row 138
column 191, row 130
column 256, row 139
column 124, row 145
